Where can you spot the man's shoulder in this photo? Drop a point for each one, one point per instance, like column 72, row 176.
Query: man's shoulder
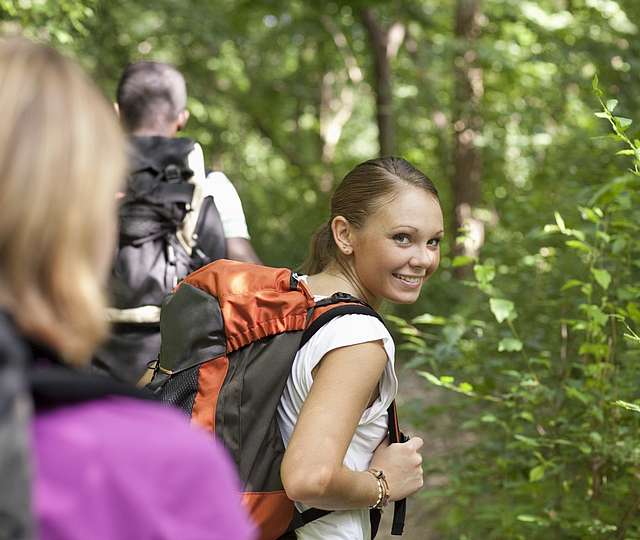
column 219, row 177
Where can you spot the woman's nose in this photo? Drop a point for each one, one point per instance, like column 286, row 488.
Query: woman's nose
column 424, row 257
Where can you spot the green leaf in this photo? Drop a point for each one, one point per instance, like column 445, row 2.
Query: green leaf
column 624, row 122
column 626, row 405
column 509, row 344
column 427, row 318
column 585, row 448
column 597, row 350
column 461, row 260
column 578, row 234
column 526, row 518
column 626, row 152
column 570, row 284
column 595, row 314
column 526, row 415
column 577, row 244
column 484, row 273
column 527, row 440
column 577, row 394
column 602, row 277
column 634, row 312
column 560, row 222
column 602, row 115
column 430, row 377
column 612, row 104
column 537, row 473
column 590, row 214
column 502, row 309
column 618, row 245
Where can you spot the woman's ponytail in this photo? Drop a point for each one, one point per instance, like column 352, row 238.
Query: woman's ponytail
column 321, row 250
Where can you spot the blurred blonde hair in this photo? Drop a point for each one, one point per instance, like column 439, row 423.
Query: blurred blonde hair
column 62, row 160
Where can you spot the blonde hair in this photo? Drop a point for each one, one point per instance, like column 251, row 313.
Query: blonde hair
column 367, row 187
column 62, row 159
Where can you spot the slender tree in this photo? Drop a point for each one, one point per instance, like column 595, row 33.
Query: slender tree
column 467, row 124
column 384, row 46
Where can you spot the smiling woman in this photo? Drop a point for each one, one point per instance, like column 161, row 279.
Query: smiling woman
column 382, row 242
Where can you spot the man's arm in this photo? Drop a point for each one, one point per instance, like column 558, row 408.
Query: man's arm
column 240, row 249
column 229, row 207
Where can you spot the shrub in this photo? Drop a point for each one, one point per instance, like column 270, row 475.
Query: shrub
column 546, row 363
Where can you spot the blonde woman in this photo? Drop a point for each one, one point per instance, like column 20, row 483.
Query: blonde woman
column 106, row 465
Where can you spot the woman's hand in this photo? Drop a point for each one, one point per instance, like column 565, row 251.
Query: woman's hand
column 402, row 466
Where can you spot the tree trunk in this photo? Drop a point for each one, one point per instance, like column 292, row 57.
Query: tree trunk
column 379, row 40
column 467, row 124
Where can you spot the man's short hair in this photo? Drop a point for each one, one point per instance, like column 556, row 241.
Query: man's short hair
column 150, row 95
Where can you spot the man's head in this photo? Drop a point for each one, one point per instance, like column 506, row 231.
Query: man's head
column 152, row 99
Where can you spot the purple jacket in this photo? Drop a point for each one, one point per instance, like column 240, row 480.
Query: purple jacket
column 119, row 468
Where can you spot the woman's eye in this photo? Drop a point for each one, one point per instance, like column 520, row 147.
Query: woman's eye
column 434, row 242
column 402, row 238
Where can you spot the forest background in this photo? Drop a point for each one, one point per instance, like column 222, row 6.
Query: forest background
column 522, row 356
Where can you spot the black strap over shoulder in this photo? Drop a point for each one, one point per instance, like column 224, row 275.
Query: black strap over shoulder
column 396, row 436
column 354, row 307
column 349, row 309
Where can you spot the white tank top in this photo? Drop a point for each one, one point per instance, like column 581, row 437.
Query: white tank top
column 371, row 430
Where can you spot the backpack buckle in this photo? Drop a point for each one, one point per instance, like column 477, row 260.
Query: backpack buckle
column 172, row 174
column 295, row 279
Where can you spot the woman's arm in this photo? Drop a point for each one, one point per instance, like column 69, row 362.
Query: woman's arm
column 312, row 470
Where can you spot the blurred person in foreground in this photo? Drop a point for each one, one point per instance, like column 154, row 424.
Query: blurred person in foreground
column 107, row 464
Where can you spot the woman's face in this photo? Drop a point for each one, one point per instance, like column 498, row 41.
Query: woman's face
column 398, row 247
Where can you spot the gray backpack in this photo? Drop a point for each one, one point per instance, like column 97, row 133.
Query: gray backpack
column 168, row 227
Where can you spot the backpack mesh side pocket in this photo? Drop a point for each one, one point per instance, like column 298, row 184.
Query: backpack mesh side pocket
column 180, row 389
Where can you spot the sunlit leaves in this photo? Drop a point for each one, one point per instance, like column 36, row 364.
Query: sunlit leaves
column 510, row 345
column 427, row 318
column 602, row 277
column 502, row 309
column 628, row 406
column 537, row 473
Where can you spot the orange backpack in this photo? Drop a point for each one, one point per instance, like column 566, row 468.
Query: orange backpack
column 230, row 332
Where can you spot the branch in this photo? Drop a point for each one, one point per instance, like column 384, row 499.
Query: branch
column 353, row 70
column 379, row 40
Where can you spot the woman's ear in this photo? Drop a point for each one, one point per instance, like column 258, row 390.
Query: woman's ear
column 342, row 234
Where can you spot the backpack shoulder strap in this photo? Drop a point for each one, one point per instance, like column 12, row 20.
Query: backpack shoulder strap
column 201, row 202
column 329, row 308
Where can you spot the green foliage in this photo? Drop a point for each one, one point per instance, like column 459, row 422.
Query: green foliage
column 540, row 350
column 546, row 364
column 59, row 21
